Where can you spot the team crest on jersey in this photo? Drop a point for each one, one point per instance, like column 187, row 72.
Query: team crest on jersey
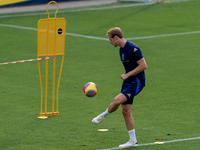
column 122, row 56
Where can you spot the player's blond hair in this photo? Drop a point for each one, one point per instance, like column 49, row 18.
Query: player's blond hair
column 115, row 31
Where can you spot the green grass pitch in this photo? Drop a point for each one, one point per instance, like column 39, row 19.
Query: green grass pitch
column 167, row 108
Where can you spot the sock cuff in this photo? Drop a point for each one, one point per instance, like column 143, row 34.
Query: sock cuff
column 131, row 131
column 107, row 111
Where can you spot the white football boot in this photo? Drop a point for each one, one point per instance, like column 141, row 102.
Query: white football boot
column 98, row 119
column 129, row 144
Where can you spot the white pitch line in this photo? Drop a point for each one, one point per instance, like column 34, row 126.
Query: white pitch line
column 88, row 9
column 180, row 140
column 147, row 144
column 106, row 39
column 71, row 34
column 18, row 27
column 87, row 36
column 76, row 10
column 176, row 1
column 163, row 35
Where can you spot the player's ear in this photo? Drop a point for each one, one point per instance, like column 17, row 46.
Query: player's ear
column 115, row 37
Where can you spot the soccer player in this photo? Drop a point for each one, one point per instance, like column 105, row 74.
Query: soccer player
column 133, row 82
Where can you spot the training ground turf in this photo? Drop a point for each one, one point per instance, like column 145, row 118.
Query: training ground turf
column 166, row 110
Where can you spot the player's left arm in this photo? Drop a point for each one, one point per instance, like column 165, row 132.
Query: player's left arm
column 141, row 67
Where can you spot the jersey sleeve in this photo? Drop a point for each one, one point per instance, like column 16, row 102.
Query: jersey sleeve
column 136, row 53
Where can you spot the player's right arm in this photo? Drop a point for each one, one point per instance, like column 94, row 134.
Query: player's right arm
column 142, row 65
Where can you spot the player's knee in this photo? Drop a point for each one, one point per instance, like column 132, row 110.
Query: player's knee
column 116, row 101
column 126, row 112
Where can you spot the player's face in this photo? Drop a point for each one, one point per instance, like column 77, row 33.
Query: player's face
column 113, row 42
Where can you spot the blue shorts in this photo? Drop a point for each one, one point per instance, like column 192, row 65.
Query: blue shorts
column 130, row 90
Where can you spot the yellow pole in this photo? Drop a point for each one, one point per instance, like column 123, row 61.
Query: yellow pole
column 45, row 50
column 54, row 61
column 53, row 100
column 54, row 66
column 46, row 77
column 40, row 86
column 59, row 81
column 46, row 81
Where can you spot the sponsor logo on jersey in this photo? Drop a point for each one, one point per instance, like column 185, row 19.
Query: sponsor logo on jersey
column 129, row 95
column 135, row 49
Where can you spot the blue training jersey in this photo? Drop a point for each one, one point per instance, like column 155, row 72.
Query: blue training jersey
column 130, row 54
